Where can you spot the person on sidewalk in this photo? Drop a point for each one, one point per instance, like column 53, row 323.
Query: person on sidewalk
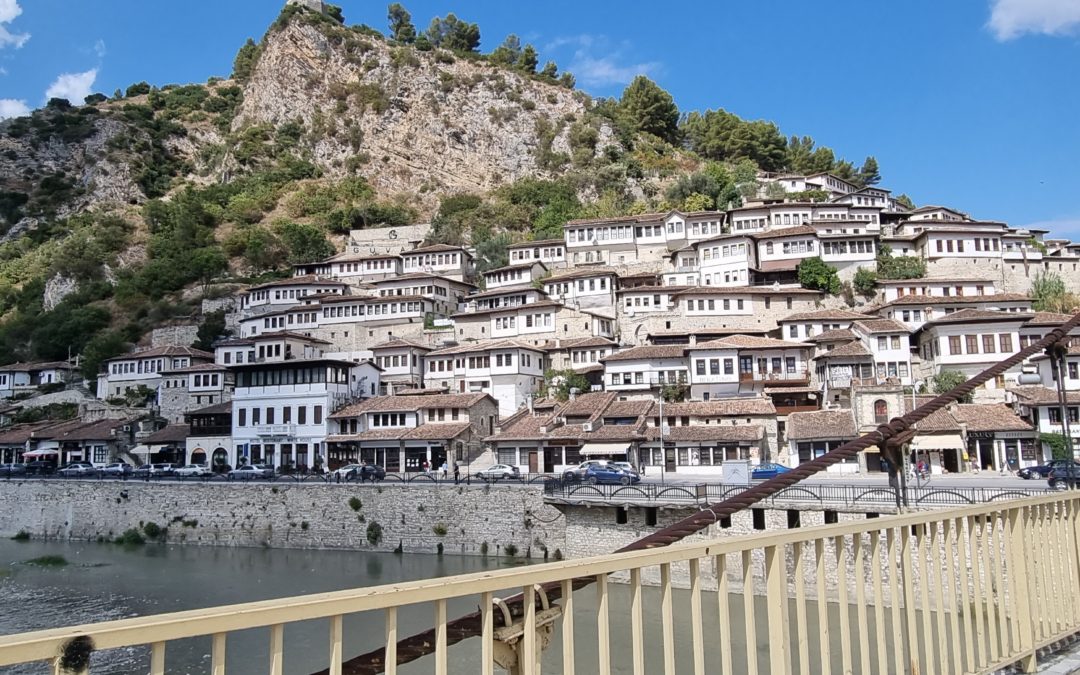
column 457, row 473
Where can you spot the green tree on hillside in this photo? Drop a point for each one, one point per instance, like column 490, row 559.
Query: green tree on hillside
column 905, row 201
column 454, row 34
column 645, row 107
column 869, row 173
column 550, row 71
column 947, row 380
column 528, row 59
column 816, row 274
column 210, row 330
column 1049, row 294
column 508, row 53
column 401, row 25
column 244, row 64
column 723, row 136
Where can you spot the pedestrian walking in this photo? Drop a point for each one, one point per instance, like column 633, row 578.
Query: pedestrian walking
column 457, row 473
column 443, row 468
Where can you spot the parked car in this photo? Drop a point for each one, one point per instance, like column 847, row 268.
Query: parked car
column 1044, row 470
column 249, row 472
column 164, row 469
column 499, row 472
column 627, row 467
column 578, row 472
column 267, row 470
column 117, row 469
column 78, row 469
column 609, row 474
column 347, row 472
column 768, row 470
column 1062, row 479
column 12, row 469
column 40, row 467
column 192, row 471
column 372, row 472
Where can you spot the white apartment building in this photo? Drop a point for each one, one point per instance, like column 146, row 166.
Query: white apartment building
column 970, row 341
column 1039, row 406
column 644, row 238
column 584, row 288
column 641, row 372
column 515, row 275
column 916, row 310
column 503, row 297
column 726, row 260
column 509, row 370
column 23, row 378
column 801, row 326
column 945, row 287
column 448, row 261
column 551, row 252
column 353, row 267
column 286, row 292
column 183, row 390
column 445, row 294
column 741, row 364
column 402, row 363
column 145, row 368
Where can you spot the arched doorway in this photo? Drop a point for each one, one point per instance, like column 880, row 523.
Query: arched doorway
column 220, row 462
column 198, row 456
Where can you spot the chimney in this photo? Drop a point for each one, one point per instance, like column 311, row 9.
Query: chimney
column 574, row 391
column 529, row 402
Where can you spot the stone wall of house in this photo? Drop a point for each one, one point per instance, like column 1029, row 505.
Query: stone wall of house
column 175, row 401
column 174, row 336
column 358, row 336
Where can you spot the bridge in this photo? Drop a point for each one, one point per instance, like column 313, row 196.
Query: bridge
column 961, row 590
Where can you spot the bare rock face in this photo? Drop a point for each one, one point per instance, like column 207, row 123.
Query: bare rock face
column 408, row 120
column 57, row 288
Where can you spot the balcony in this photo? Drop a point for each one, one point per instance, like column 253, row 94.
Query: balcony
column 776, row 376
column 275, row 430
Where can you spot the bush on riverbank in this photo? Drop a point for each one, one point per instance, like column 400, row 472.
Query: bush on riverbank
column 131, row 537
column 374, row 533
column 21, row 535
column 48, row 561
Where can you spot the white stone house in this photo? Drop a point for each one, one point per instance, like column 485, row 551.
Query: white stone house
column 445, row 294
column 802, row 326
column 402, row 363
column 642, row 372
column 449, row 261
column 510, row 371
column 25, row 378
column 277, row 295
column 198, row 386
column 145, row 368
column 745, row 364
column 726, row 260
column 551, row 252
column 584, row 288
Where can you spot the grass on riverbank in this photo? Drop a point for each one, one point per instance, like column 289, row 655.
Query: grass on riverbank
column 48, row 561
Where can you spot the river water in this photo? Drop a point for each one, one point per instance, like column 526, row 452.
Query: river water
column 105, row 582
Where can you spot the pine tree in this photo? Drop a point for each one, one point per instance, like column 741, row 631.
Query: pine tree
column 550, row 71
column 647, row 108
column 528, row 59
column 869, row 174
column 401, row 26
column 508, row 53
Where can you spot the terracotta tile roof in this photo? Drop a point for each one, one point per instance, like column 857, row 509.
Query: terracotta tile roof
column 82, row 431
column 20, row 433
column 721, row 407
column 216, row 409
column 636, row 408
column 994, row 417
column 370, row 435
column 871, row 326
column 537, row 242
column 615, row 432
column 578, row 343
column 591, row 404
column 166, row 351
column 485, row 346
column 409, row 403
column 401, row 343
column 786, row 232
column 1048, row 319
column 36, row 366
column 853, row 348
column 825, row 315
column 1039, row 395
column 640, row 218
column 979, row 315
column 821, row 425
column 647, row 352
column 834, row 335
column 778, row 265
column 173, row 433
column 523, row 428
column 957, row 299
column 436, row 431
column 747, row 342
column 435, row 248
column 746, row 290
column 710, row 432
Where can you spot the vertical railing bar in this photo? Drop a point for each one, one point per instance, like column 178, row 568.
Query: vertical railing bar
column 1060, row 570
column 1069, row 580
column 603, row 633
column 860, row 602
column 277, row 649
column 911, row 632
column 568, row 652
column 879, row 599
column 990, row 587
column 798, row 550
column 392, row 633
column 336, row 651
column 777, row 606
column 997, row 565
column 1019, row 609
column 936, row 582
column 1074, row 558
column 924, row 594
column 840, row 553
column 977, row 590
column 637, row 625
column 1020, row 521
column 894, row 569
column 748, row 611
column 440, row 637
column 951, row 587
column 696, row 629
column 1043, row 592
column 217, row 654
column 157, row 659
column 667, row 614
column 529, row 652
column 723, row 613
column 824, row 632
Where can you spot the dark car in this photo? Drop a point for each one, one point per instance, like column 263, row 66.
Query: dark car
column 1044, row 470
column 1062, row 478
column 371, row 472
column 40, row 467
column 609, row 474
column 12, row 469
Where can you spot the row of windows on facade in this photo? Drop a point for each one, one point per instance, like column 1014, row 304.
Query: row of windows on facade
column 793, row 329
column 531, row 320
column 396, row 361
column 957, row 245
column 432, row 259
column 969, row 344
column 842, row 373
column 208, row 380
column 376, row 265
column 270, row 417
column 588, row 356
column 593, row 284
column 946, row 291
column 289, row 376
column 289, row 293
column 548, row 253
column 727, row 251
column 146, row 366
column 502, row 301
column 787, row 364
column 372, row 310
column 704, row 456
column 293, row 318
column 475, row 362
column 414, row 290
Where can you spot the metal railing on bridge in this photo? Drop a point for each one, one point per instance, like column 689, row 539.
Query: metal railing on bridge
column 972, row 590
column 823, row 494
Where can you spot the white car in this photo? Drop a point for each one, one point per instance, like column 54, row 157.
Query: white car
column 625, row 466
column 499, row 471
column 192, row 471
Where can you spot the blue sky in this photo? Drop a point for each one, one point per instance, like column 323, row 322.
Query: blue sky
column 969, row 103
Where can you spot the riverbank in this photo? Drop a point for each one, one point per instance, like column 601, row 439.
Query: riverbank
column 488, row 520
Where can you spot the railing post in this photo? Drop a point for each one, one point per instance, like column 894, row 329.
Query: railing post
column 1022, row 602
column 776, row 590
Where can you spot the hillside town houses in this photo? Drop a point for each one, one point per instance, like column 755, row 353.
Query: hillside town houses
column 409, row 353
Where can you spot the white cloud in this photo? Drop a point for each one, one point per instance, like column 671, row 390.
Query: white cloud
column 99, row 49
column 1012, row 18
column 9, row 107
column 597, row 63
column 9, row 10
column 72, row 86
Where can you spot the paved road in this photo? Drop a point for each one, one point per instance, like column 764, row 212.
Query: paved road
column 985, row 479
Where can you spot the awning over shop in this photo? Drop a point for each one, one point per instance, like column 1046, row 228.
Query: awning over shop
column 593, row 449
column 41, row 453
column 140, row 450
column 937, row 442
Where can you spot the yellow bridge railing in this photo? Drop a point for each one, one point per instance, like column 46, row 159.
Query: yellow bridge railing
column 968, row 590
